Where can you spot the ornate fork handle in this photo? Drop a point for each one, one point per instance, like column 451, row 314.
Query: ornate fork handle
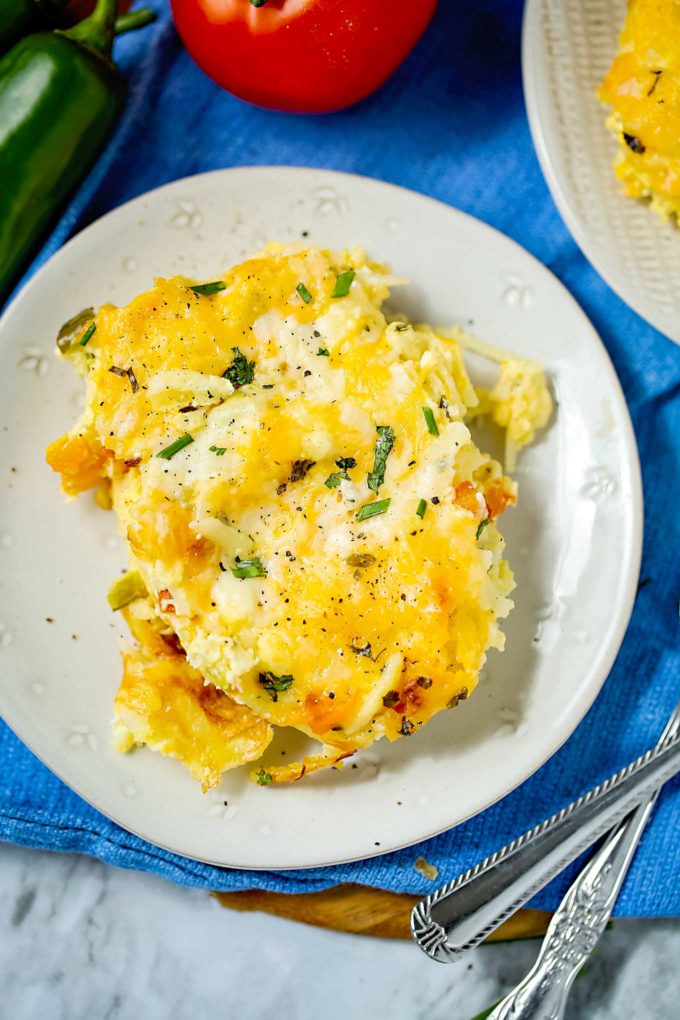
column 461, row 914
column 580, row 919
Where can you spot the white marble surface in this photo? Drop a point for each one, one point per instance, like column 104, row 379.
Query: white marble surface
column 81, row 940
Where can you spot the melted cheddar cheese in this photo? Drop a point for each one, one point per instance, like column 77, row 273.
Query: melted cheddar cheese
column 304, row 502
column 643, row 89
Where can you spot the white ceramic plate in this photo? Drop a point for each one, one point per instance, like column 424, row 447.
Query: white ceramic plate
column 568, row 46
column 574, row 542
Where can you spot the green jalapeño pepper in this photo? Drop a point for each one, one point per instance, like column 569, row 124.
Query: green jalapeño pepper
column 60, row 96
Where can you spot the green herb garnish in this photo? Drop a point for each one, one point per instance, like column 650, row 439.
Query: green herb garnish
column 126, row 373
column 323, row 352
column 175, row 447
column 334, row 479
column 274, row 684
column 249, row 568
column 401, row 327
column 260, row 3
column 383, row 445
column 299, row 469
column 304, row 293
column 481, row 526
column 268, row 386
column 342, row 283
column 263, row 778
column 241, row 371
column 422, row 507
column 206, row 289
column 428, row 415
column 219, row 450
column 373, row 509
column 88, row 334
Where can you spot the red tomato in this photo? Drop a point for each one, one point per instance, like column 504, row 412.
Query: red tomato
column 305, row 56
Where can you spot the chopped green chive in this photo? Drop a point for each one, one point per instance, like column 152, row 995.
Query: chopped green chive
column 219, row 450
column 274, row 684
column 268, row 386
column 175, row 447
column 263, row 778
column 323, row 352
column 342, row 283
column 304, row 293
column 88, row 334
column 482, row 524
column 241, row 371
column 422, row 507
column 373, row 509
column 206, row 289
column 345, row 463
column 401, row 327
column 428, row 415
column 383, row 445
column 249, row 568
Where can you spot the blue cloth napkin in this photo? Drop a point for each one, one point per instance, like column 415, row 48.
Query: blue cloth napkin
column 451, row 123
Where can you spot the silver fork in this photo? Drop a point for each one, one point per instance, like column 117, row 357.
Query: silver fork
column 460, row 915
column 581, row 918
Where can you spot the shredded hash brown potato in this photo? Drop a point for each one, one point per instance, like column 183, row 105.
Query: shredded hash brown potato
column 312, row 531
column 642, row 88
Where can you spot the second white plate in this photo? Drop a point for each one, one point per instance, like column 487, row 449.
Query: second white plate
column 574, row 540
column 567, row 48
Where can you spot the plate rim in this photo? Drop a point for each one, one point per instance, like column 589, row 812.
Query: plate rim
column 636, row 515
column 553, row 179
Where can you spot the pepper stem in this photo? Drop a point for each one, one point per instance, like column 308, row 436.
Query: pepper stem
column 133, row 19
column 96, row 32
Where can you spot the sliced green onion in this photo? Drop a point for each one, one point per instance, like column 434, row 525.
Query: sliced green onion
column 373, row 509
column 428, row 415
column 219, row 450
column 206, row 289
column 304, row 293
column 482, row 524
column 323, row 352
column 263, row 778
column 175, row 447
column 88, row 334
column 249, row 568
column 342, row 283
column 422, row 507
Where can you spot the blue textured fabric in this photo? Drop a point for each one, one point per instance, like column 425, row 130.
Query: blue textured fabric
column 451, row 123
